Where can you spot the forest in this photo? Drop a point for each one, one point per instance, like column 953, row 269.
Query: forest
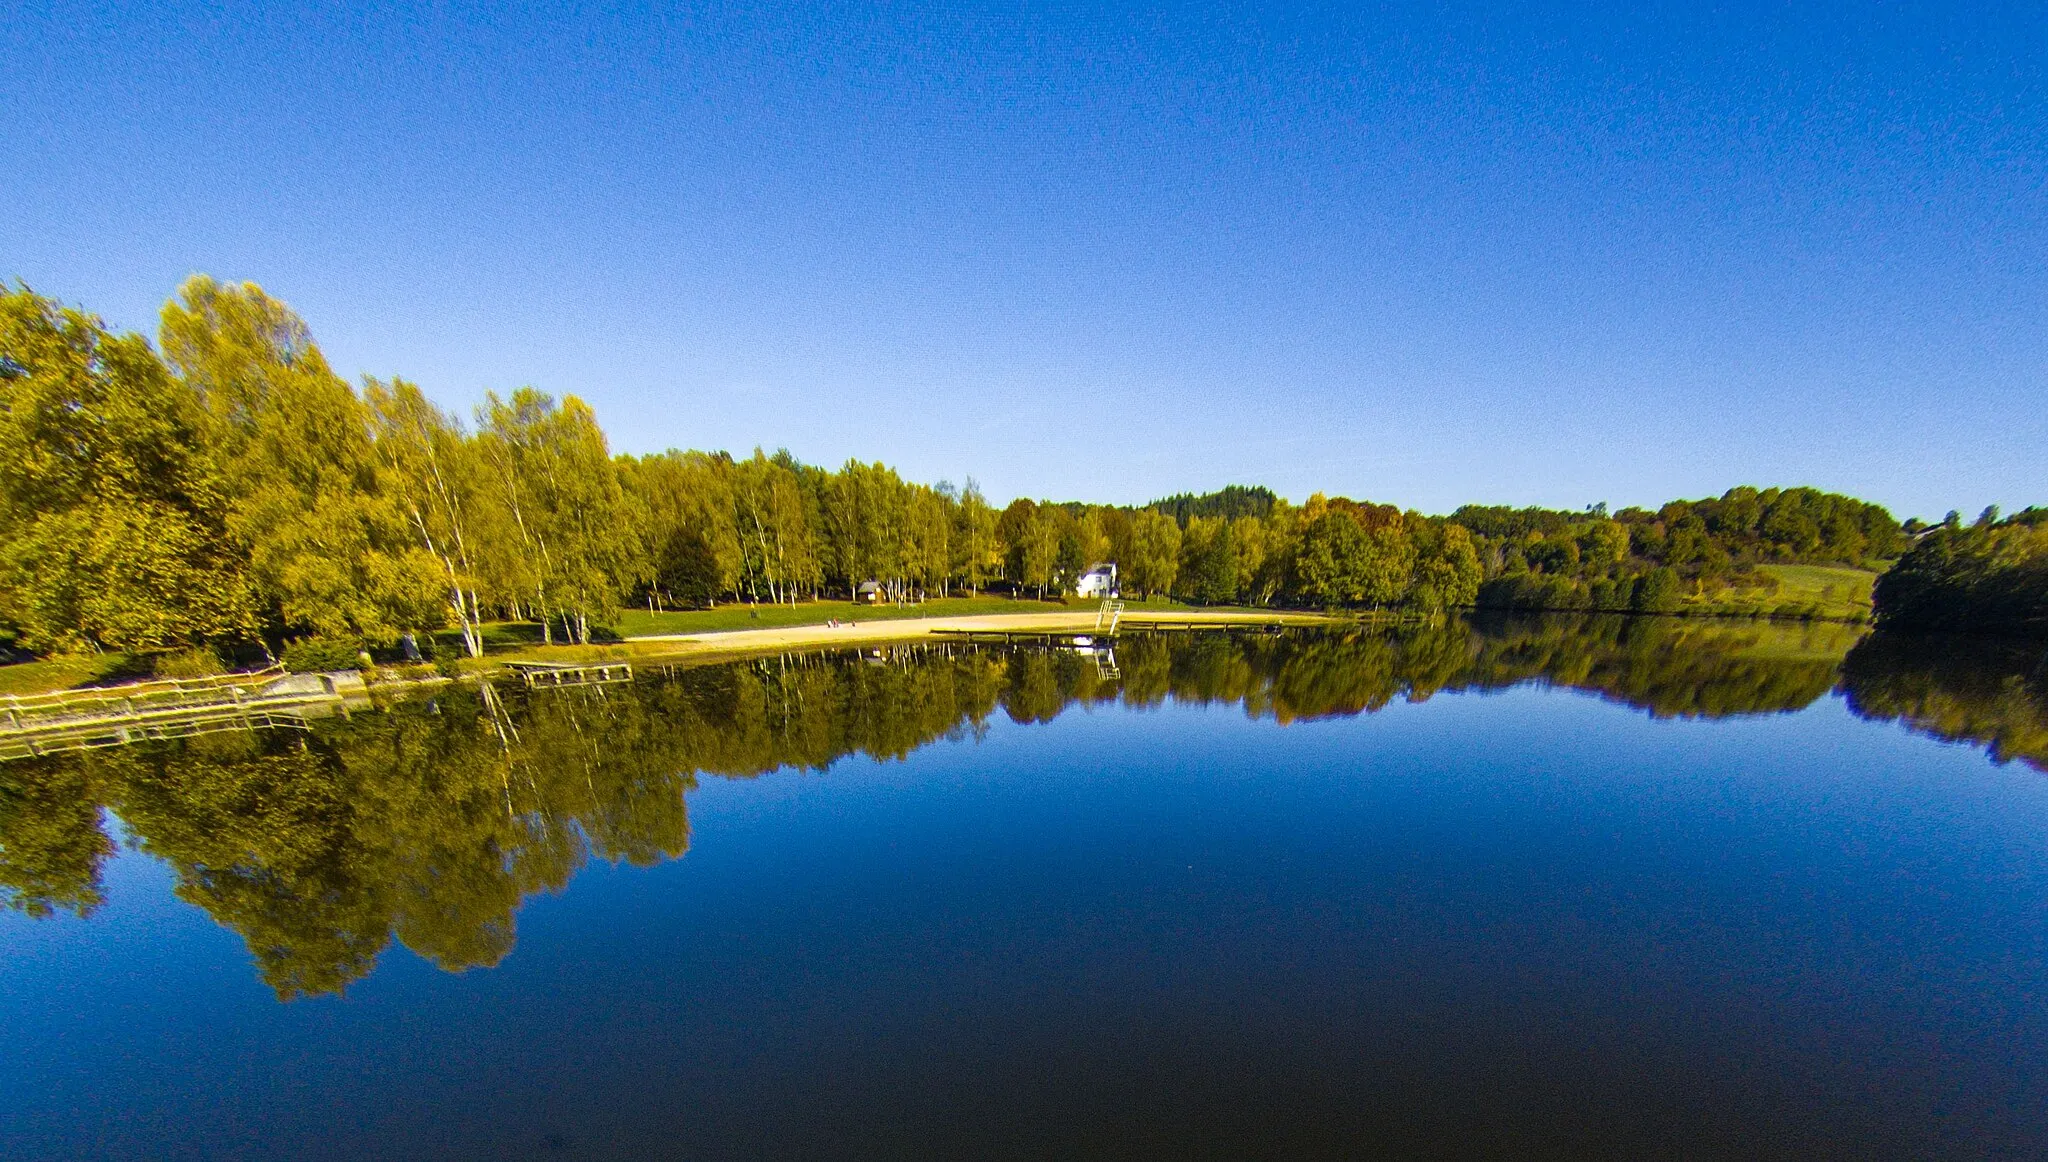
column 223, row 487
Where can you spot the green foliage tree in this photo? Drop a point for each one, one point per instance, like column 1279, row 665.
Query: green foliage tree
column 689, row 524
column 113, row 509
column 1447, row 571
column 928, row 539
column 977, row 551
column 556, row 479
column 1656, row 591
column 1208, row 561
column 1150, row 563
column 1230, row 502
column 433, row 475
column 1327, row 567
column 1990, row 577
column 1038, row 549
column 771, row 528
column 328, row 551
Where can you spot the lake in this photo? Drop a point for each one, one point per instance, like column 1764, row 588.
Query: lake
column 1573, row 887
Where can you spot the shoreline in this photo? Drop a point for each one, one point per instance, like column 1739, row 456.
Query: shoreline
column 741, row 642
column 722, row 645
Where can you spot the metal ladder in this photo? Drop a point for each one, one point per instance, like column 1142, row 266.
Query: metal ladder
column 1113, row 611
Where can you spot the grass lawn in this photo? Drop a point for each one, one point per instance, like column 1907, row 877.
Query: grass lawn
column 48, row 674
column 1789, row 641
column 640, row 623
column 1823, row 591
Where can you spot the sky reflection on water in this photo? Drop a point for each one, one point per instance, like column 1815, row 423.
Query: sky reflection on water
column 1749, row 923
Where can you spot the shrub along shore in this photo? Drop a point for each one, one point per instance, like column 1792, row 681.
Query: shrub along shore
column 221, row 496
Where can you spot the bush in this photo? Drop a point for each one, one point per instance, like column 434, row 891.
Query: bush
column 315, row 655
column 1611, row 594
column 197, row 662
column 1657, row 591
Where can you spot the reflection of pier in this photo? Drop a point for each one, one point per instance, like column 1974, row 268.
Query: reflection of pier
column 177, row 708
column 1087, row 638
column 536, row 674
column 1099, row 647
column 1165, row 626
column 1031, row 637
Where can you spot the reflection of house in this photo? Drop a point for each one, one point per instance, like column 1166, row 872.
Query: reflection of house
column 869, row 591
column 1098, row 581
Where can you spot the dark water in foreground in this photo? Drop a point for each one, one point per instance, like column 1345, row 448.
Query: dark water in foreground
column 1562, row 887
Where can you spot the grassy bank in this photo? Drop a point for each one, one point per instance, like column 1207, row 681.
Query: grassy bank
column 47, row 674
column 1822, row 592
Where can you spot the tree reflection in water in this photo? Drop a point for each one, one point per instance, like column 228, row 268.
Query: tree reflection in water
column 1990, row 692
column 432, row 821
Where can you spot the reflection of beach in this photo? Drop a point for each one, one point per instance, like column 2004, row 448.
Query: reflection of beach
column 857, row 632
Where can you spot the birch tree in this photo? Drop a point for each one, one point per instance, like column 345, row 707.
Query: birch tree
column 430, row 473
column 977, row 553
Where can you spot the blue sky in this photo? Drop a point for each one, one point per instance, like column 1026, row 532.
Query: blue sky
column 1415, row 255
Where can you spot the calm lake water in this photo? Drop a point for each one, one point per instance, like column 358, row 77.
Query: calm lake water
column 1563, row 887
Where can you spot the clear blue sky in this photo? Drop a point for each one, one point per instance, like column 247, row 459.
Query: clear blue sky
column 1599, row 253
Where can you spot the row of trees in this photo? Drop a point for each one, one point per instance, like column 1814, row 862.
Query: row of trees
column 224, row 486
column 1325, row 552
column 777, row 530
column 1642, row 561
column 229, row 487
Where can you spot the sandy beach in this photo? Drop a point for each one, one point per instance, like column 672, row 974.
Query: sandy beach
column 856, row 632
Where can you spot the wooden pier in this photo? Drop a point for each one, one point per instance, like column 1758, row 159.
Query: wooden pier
column 177, row 708
column 539, row 674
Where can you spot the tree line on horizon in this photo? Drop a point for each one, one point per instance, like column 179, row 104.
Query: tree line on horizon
column 224, row 487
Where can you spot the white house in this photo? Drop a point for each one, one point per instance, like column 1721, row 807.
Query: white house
column 1098, row 581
